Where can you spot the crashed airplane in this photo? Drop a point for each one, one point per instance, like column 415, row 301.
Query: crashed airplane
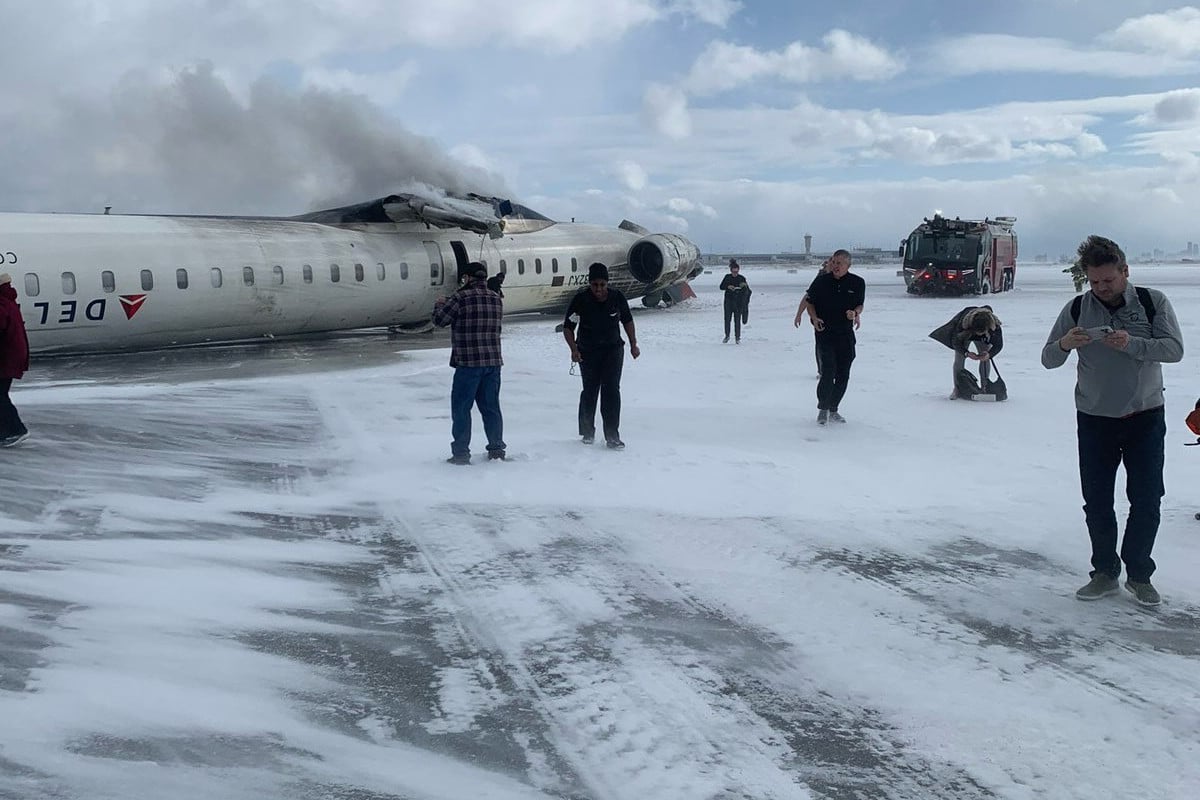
column 90, row 283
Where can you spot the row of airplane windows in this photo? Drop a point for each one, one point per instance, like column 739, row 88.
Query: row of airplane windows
column 108, row 282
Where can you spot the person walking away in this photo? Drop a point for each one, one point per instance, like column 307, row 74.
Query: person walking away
column 14, row 361
column 474, row 315
column 737, row 295
column 835, row 303
column 1121, row 335
column 496, row 282
column 592, row 331
column 974, row 326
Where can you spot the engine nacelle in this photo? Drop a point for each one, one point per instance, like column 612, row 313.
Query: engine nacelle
column 662, row 258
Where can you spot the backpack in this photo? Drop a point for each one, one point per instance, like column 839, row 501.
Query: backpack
column 1143, row 297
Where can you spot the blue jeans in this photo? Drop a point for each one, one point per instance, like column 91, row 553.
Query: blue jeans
column 1104, row 443
column 476, row 386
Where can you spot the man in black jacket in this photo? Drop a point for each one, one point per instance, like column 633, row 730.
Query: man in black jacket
column 835, row 302
column 599, row 312
column 737, row 298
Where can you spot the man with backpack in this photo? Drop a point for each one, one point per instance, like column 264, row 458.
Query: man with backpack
column 1122, row 336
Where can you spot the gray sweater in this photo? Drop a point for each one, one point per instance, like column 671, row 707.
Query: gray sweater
column 1116, row 383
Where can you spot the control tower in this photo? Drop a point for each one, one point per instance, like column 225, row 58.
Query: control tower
column 808, row 244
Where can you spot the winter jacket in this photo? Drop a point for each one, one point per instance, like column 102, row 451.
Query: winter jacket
column 737, row 291
column 957, row 334
column 14, row 344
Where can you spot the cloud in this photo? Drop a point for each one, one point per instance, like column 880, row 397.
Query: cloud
column 680, row 205
column 713, row 12
column 1178, row 106
column 666, row 109
column 1176, row 32
column 724, row 66
column 1002, row 53
column 632, row 176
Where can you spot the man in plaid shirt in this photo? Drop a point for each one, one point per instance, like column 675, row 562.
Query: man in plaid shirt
column 473, row 314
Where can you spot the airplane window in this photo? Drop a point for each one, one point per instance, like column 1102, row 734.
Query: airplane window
column 574, row 264
column 520, row 266
column 403, row 270
column 433, row 271
column 537, row 266
column 216, row 277
column 380, row 271
column 147, row 280
column 554, row 265
column 277, row 274
column 181, row 279
column 358, row 272
column 107, row 281
column 248, row 276
column 68, row 279
column 307, row 270
column 503, row 265
column 33, row 286
column 335, row 273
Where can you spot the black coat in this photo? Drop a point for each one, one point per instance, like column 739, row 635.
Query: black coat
column 953, row 336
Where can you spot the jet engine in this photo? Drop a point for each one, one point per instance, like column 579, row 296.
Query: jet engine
column 662, row 258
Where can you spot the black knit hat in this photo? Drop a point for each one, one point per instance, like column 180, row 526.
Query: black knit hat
column 597, row 272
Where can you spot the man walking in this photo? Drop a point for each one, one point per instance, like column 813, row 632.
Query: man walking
column 834, row 302
column 737, row 300
column 599, row 311
column 14, row 361
column 1122, row 335
column 473, row 314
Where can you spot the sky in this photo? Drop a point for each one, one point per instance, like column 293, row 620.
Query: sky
column 247, row 573
column 744, row 125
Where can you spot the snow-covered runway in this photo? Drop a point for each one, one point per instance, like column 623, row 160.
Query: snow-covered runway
column 251, row 575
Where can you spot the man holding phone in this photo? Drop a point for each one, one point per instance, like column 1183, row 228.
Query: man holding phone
column 1122, row 335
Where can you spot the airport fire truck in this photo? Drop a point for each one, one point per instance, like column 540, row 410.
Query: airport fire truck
column 958, row 256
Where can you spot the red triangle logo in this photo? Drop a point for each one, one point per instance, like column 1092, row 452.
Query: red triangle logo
column 132, row 303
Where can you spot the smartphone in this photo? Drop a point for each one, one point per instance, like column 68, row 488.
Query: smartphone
column 1099, row 333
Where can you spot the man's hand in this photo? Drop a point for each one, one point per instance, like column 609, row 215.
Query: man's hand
column 576, row 356
column 973, row 356
column 1117, row 340
column 985, row 356
column 1075, row 338
column 441, row 301
column 634, row 350
column 817, row 323
column 799, row 319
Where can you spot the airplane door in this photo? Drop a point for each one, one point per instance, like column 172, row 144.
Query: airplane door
column 437, row 271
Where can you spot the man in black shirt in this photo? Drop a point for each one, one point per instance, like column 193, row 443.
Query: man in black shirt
column 737, row 296
column 599, row 312
column 835, row 303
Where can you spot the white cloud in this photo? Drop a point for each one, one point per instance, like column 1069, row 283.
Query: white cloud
column 1089, row 144
column 1176, row 32
column 724, row 66
column 680, row 205
column 1181, row 106
column 632, row 176
column 713, row 12
column 666, row 109
column 1002, row 53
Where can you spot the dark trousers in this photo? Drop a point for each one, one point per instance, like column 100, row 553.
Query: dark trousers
column 835, row 354
column 733, row 312
column 1104, row 443
column 10, row 421
column 601, row 371
column 475, row 386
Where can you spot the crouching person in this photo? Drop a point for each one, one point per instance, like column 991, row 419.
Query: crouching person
column 977, row 327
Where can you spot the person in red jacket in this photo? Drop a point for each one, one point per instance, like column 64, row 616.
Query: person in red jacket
column 14, row 360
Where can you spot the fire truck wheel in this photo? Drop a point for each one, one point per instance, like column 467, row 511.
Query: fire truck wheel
column 986, row 286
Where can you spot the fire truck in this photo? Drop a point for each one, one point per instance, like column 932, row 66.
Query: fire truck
column 958, row 256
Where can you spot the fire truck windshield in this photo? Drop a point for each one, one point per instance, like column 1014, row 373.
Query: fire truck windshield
column 943, row 248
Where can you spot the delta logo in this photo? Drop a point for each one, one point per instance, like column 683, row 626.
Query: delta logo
column 132, row 303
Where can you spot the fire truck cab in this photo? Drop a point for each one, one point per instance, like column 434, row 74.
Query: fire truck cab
column 955, row 256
